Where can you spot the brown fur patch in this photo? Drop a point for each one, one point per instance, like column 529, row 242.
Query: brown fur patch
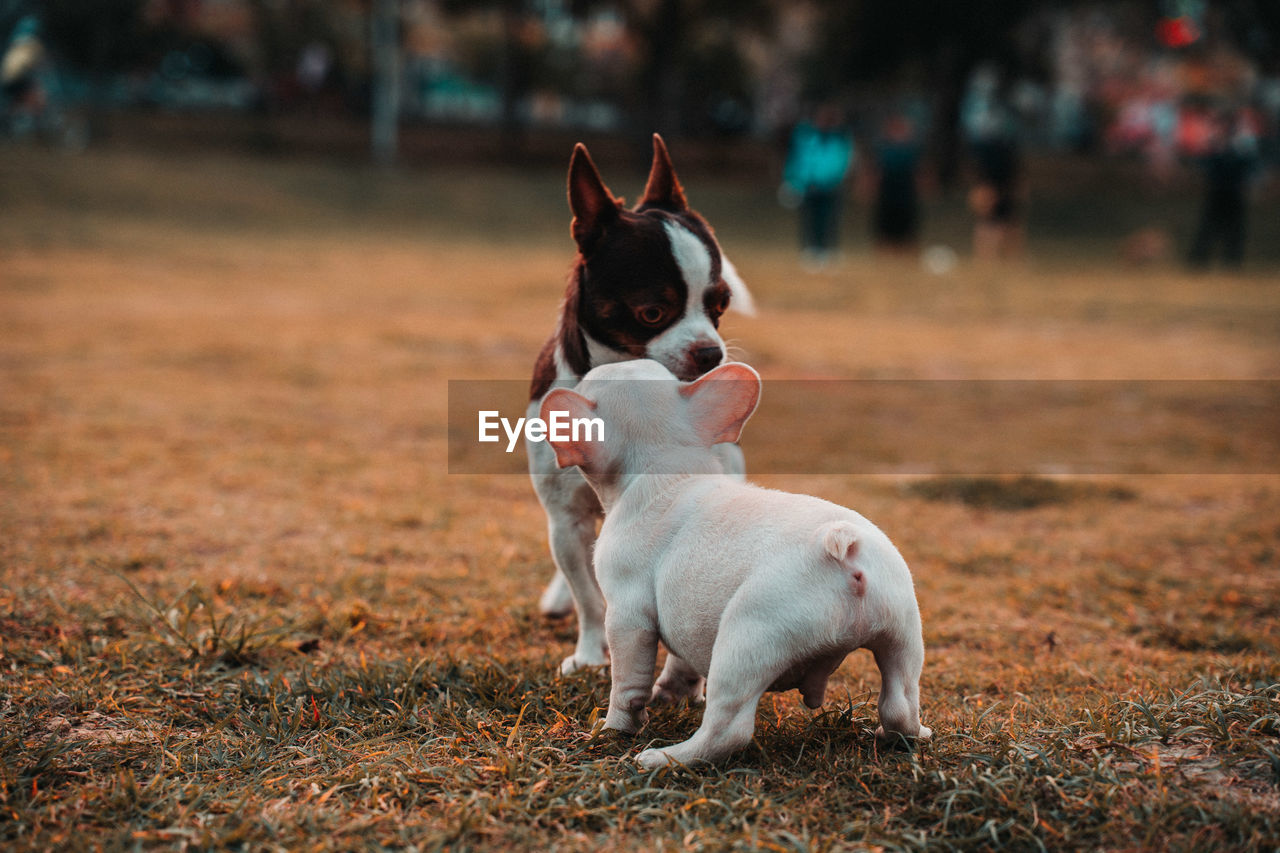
column 567, row 338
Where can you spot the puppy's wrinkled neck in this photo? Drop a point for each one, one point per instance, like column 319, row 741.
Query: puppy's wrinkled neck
column 644, row 476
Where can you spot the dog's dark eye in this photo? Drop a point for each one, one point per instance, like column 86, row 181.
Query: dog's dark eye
column 651, row 315
column 721, row 303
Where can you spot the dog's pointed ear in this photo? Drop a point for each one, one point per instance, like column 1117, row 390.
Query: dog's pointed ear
column 721, row 401
column 569, row 452
column 594, row 207
column 663, row 189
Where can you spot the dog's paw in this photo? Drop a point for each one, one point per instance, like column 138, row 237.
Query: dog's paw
column 576, row 661
column 662, row 696
column 627, row 722
column 556, row 601
column 669, row 693
column 652, row 759
column 898, row 737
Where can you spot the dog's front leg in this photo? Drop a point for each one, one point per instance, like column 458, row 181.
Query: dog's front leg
column 572, row 536
column 557, row 598
column 746, row 659
column 633, row 649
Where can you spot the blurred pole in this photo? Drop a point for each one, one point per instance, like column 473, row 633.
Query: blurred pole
column 385, row 42
column 663, row 32
column 952, row 66
column 516, row 73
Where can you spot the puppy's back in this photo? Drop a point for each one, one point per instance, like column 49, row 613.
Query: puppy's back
column 737, row 533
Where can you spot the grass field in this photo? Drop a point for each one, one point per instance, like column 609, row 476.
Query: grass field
column 245, row 605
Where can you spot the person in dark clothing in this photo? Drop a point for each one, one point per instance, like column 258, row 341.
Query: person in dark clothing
column 997, row 231
column 997, row 165
column 991, row 127
column 896, row 216
column 1227, row 167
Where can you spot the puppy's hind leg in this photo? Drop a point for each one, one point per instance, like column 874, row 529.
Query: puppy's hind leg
column 900, row 660
column 677, row 681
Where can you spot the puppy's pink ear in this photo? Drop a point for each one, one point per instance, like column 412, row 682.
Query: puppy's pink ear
column 569, row 452
column 722, row 400
column 594, row 207
column 663, row 189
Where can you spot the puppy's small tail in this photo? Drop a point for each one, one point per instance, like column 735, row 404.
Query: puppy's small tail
column 840, row 541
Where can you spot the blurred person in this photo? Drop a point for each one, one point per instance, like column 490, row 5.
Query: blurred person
column 1148, row 123
column 992, row 132
column 997, row 231
column 1228, row 164
column 20, row 64
column 1195, row 130
column 1162, row 149
column 315, row 63
column 821, row 154
column 895, row 221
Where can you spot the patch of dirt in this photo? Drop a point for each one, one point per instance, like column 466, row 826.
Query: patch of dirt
column 1014, row 493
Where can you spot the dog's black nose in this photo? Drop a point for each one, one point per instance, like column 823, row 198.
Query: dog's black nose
column 705, row 358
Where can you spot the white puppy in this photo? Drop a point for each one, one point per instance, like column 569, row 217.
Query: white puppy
column 749, row 588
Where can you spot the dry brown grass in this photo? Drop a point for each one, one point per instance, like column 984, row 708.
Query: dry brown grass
column 244, row 603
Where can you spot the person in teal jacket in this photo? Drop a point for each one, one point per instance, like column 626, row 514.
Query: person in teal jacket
column 821, row 155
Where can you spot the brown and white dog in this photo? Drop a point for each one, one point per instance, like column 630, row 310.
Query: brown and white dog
column 649, row 282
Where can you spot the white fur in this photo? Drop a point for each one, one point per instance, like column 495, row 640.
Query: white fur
column 749, row 588
column 572, row 511
column 694, row 329
column 690, row 253
column 742, row 301
column 571, row 507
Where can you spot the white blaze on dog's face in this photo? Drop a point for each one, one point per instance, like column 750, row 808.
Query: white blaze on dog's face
column 649, row 415
column 691, row 345
column 650, row 282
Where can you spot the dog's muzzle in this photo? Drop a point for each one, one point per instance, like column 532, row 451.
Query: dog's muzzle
column 705, row 358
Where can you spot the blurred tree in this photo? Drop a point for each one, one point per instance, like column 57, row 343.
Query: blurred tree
column 99, row 39
column 283, row 30
column 1255, row 26
column 384, row 39
column 869, row 41
column 721, row 91
column 690, row 54
column 516, row 61
column 690, row 73
column 275, row 51
column 361, row 37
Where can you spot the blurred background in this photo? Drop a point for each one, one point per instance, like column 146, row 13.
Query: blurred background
column 1146, row 129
